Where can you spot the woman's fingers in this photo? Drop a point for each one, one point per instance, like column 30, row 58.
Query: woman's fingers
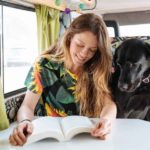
column 97, row 127
column 12, row 140
column 104, row 137
column 15, row 139
column 20, row 134
column 101, row 133
column 102, row 129
column 29, row 128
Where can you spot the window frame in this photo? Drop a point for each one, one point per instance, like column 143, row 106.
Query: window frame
column 16, row 6
column 113, row 24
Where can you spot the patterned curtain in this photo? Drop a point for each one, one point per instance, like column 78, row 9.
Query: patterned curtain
column 4, row 123
column 48, row 26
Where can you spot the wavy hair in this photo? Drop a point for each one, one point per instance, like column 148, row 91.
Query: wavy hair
column 92, row 84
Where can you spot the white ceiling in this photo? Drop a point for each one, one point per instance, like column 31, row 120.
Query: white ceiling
column 115, row 6
column 106, row 6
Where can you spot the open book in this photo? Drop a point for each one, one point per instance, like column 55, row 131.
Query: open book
column 62, row 129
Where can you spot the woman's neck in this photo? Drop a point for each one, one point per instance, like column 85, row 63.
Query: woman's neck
column 74, row 69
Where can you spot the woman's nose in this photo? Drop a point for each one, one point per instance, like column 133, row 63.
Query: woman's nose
column 84, row 52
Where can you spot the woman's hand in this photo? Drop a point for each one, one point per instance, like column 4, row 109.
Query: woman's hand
column 102, row 129
column 20, row 133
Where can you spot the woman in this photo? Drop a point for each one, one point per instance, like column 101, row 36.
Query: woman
column 72, row 79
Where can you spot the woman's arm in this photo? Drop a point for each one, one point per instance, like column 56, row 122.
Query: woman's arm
column 24, row 117
column 109, row 110
column 26, row 110
column 107, row 115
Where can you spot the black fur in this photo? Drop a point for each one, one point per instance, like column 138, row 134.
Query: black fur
column 132, row 65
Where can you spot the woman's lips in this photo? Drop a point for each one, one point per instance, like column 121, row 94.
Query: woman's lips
column 79, row 58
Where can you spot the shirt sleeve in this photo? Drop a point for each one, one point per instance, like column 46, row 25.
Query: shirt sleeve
column 42, row 75
column 33, row 79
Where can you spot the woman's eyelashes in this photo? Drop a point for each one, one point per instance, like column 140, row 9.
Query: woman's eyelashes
column 90, row 49
column 93, row 50
column 80, row 45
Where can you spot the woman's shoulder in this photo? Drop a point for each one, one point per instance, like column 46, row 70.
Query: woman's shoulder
column 46, row 61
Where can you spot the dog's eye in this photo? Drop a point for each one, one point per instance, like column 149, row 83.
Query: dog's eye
column 118, row 64
column 132, row 65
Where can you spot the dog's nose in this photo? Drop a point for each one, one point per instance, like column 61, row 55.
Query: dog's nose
column 123, row 87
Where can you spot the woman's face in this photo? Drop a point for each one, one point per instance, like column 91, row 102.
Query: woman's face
column 83, row 47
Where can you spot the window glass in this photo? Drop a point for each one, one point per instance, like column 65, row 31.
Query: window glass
column 135, row 30
column 111, row 31
column 74, row 15
column 20, row 46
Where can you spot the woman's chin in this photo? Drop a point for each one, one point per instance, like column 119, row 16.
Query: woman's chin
column 77, row 63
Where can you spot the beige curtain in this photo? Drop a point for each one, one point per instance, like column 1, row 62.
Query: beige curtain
column 3, row 117
column 48, row 26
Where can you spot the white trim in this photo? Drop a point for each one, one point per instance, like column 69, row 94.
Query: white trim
column 20, row 2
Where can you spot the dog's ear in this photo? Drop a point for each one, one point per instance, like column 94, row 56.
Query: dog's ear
column 115, row 57
column 148, row 48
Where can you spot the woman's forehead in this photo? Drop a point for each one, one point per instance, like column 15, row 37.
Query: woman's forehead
column 87, row 38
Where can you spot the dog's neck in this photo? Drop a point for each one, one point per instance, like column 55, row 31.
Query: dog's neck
column 147, row 79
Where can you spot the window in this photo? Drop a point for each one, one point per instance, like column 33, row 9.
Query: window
column 19, row 46
column 111, row 31
column 135, row 30
column 74, row 15
column 112, row 27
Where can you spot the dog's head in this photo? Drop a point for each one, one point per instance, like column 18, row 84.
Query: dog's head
column 132, row 61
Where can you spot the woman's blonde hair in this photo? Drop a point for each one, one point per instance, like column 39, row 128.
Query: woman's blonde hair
column 92, row 84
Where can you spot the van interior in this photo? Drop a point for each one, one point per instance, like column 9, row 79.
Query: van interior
column 19, row 44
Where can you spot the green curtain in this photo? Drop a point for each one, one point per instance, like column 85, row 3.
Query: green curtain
column 48, row 26
column 4, row 123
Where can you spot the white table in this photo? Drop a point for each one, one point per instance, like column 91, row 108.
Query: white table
column 127, row 134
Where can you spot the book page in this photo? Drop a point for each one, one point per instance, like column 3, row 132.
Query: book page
column 45, row 127
column 73, row 125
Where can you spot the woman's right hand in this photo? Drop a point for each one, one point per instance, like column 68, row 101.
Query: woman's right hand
column 21, row 133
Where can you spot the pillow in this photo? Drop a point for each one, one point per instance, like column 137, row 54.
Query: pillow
column 116, row 41
column 4, row 123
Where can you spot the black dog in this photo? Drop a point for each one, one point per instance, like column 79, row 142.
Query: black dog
column 131, row 80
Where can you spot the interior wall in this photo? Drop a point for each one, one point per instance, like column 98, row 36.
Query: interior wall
column 129, row 18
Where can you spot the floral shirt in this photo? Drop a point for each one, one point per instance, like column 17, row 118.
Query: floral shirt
column 56, row 85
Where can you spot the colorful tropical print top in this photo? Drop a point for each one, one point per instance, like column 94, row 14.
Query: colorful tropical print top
column 56, row 85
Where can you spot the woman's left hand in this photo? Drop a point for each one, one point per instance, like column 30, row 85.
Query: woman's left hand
column 102, row 129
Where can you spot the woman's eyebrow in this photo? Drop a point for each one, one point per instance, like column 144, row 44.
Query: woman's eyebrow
column 84, row 43
column 80, row 41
